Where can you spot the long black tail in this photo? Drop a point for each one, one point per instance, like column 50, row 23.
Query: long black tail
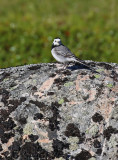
column 91, row 68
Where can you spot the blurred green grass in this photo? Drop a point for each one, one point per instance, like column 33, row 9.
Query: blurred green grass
column 27, row 29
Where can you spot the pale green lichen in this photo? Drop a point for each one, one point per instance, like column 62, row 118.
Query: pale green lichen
column 30, row 82
column 68, row 84
column 87, row 131
column 61, row 158
column 73, row 139
column 97, row 75
column 28, row 129
column 68, row 117
column 34, row 81
column 6, row 79
column 73, row 146
column 93, row 158
column 109, row 85
column 92, row 130
column 113, row 142
column 61, row 101
column 73, row 143
column 100, row 70
column 12, row 88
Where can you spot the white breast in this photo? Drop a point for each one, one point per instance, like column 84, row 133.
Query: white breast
column 58, row 57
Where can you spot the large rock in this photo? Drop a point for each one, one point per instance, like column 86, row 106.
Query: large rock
column 51, row 113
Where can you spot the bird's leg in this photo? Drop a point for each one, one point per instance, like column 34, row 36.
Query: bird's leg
column 65, row 66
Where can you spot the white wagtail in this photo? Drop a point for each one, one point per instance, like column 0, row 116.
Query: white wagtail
column 62, row 54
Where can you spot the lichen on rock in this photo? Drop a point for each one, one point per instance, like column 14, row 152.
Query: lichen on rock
column 47, row 112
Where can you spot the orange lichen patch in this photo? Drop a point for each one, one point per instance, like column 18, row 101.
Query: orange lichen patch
column 92, row 94
column 112, row 99
column 115, row 89
column 80, row 78
column 92, row 153
column 40, row 132
column 77, row 84
column 108, row 79
column 6, row 145
column 44, row 134
column 106, row 111
column 73, row 102
column 46, row 86
column 105, row 106
column 25, row 137
column 41, row 121
column 83, row 78
column 44, row 141
column 101, row 128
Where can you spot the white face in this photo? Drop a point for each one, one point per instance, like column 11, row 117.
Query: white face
column 57, row 41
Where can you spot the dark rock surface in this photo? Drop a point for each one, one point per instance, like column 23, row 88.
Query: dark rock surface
column 51, row 113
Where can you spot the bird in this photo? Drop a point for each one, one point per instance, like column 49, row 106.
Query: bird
column 63, row 54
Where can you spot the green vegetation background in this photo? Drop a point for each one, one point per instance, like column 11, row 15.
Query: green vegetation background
column 27, row 28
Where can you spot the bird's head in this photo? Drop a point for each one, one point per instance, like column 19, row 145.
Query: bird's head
column 56, row 42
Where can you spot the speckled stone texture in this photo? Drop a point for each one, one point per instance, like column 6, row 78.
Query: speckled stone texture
column 51, row 113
